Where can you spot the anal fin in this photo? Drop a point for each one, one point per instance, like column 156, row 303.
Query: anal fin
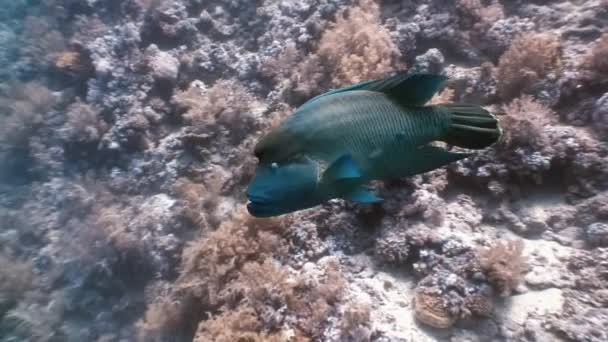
column 399, row 161
column 428, row 158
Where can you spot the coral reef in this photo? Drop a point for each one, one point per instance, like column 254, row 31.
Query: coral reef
column 126, row 138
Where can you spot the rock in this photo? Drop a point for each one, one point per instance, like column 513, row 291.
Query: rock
column 429, row 62
column 163, row 65
column 584, row 325
column 599, row 118
column 596, row 234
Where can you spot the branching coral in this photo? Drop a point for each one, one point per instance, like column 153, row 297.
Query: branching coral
column 504, row 265
column 530, row 58
column 358, row 47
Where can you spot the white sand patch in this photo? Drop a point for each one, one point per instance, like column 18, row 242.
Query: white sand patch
column 390, row 296
column 518, row 308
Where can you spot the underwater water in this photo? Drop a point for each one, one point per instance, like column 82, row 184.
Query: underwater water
column 127, row 138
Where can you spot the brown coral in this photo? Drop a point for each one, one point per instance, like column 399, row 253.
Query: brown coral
column 25, row 104
column 525, row 122
column 595, row 65
column 504, row 265
column 16, row 278
column 358, row 47
column 430, row 310
column 227, row 103
column 41, row 41
column 240, row 325
column 529, row 59
column 73, row 62
column 84, row 124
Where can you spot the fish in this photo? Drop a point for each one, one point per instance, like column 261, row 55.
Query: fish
column 337, row 142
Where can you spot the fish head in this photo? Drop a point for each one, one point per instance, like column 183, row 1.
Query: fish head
column 281, row 188
column 278, row 145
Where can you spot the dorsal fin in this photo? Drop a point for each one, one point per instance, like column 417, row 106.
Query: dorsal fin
column 413, row 89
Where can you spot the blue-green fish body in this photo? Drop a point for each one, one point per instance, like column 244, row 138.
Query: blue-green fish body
column 372, row 130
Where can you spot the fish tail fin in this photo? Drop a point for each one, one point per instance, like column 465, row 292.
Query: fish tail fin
column 471, row 127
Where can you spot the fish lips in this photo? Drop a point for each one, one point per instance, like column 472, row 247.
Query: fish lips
column 281, row 189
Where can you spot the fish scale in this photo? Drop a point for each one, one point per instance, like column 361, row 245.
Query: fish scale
column 360, row 122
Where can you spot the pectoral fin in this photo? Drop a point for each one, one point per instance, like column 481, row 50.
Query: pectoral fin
column 362, row 195
column 341, row 169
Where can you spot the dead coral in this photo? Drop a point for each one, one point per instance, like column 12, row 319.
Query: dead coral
column 504, row 265
column 398, row 245
column 530, row 59
column 357, row 47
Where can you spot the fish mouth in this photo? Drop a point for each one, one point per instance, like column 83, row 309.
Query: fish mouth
column 262, row 209
column 260, row 206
